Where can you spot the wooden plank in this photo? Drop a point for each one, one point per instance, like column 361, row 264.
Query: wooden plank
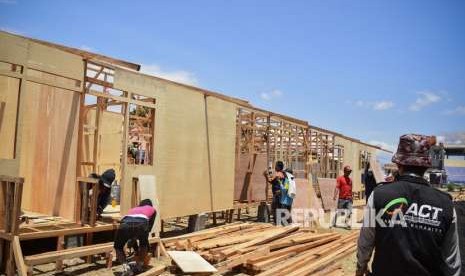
column 67, row 232
column 148, row 190
column 308, row 269
column 9, row 97
column 68, row 254
column 21, row 266
column 282, row 231
column 191, row 262
column 208, row 233
column 242, row 258
column 156, row 270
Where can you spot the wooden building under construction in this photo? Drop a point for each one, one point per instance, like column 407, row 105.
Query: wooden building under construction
column 65, row 113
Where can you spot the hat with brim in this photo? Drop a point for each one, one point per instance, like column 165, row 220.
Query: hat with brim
column 108, row 177
column 413, row 150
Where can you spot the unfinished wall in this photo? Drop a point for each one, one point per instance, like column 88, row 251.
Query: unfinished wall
column 182, row 150
column 48, row 83
column 110, row 141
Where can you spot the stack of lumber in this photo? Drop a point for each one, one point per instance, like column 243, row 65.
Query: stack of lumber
column 264, row 249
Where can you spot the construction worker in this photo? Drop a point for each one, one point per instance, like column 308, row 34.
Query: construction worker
column 275, row 181
column 369, row 181
column 410, row 225
column 105, row 181
column 136, row 225
column 343, row 195
column 288, row 193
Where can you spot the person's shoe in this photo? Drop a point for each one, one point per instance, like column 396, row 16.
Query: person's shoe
column 127, row 270
column 137, row 268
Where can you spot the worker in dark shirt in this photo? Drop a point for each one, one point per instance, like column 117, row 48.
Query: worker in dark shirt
column 276, row 181
column 411, row 226
column 105, row 182
column 369, row 181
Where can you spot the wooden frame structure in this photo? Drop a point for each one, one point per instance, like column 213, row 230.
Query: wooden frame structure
column 66, row 113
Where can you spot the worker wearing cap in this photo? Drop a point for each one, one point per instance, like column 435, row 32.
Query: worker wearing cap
column 410, row 225
column 343, row 195
column 105, row 181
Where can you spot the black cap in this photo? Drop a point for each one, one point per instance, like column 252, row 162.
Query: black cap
column 108, row 177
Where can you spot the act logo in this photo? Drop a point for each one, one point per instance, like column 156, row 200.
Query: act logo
column 396, row 206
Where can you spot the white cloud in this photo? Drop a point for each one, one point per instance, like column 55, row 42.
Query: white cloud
column 11, row 30
column 376, row 105
column 454, row 137
column 273, row 94
column 383, row 145
column 177, row 75
column 383, row 105
column 424, row 99
column 87, row 48
column 459, row 110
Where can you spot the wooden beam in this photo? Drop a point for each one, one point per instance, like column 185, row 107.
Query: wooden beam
column 20, row 265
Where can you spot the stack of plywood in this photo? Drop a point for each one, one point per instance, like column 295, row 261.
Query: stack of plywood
column 264, row 249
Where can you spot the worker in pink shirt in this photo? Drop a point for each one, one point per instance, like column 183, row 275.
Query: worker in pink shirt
column 136, row 225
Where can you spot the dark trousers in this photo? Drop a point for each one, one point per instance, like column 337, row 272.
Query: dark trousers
column 275, row 206
column 103, row 198
column 132, row 229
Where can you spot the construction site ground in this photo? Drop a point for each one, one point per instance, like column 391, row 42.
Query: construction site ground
column 178, row 227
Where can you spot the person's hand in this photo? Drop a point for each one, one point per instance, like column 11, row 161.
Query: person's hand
column 334, row 198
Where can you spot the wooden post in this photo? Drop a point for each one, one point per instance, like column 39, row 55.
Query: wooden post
column 12, row 194
column 85, row 203
column 60, row 246
column 214, row 218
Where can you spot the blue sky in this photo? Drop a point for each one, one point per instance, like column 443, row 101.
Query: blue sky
column 368, row 69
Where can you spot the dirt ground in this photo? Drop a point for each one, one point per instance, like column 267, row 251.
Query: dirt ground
column 172, row 228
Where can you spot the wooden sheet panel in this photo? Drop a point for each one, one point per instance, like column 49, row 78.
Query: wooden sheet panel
column 191, row 262
column 9, row 91
column 181, row 155
column 258, row 180
column 55, row 61
column 377, row 171
column 302, row 200
column 148, row 190
column 48, row 149
column 221, row 129
column 327, row 186
column 240, row 192
column 111, row 136
column 13, row 49
column 257, row 190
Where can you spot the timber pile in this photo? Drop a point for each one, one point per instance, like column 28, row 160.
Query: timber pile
column 263, row 249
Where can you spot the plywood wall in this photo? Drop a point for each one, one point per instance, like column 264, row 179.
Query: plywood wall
column 222, row 141
column 9, row 92
column 48, row 87
column 182, row 152
column 49, row 149
column 352, row 151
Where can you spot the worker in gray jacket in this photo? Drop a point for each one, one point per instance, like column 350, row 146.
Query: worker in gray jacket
column 411, row 226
